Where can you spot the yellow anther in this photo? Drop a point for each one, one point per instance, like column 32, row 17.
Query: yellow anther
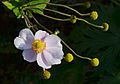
column 38, row 45
column 95, row 62
column 106, row 26
column 94, row 15
column 69, row 57
column 46, row 74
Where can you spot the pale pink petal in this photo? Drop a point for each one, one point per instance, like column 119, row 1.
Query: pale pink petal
column 42, row 61
column 53, row 41
column 56, row 52
column 41, row 34
column 27, row 35
column 21, row 44
column 50, row 59
column 29, row 55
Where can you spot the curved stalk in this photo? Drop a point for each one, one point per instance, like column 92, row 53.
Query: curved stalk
column 57, row 12
column 55, row 18
column 90, row 23
column 60, row 5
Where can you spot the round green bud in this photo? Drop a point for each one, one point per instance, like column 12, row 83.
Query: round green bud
column 69, row 57
column 95, row 62
column 106, row 26
column 94, row 15
column 57, row 32
column 73, row 19
column 46, row 74
column 87, row 4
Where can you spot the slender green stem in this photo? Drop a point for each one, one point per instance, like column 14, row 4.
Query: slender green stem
column 90, row 23
column 117, row 3
column 27, row 21
column 58, row 19
column 62, row 41
column 69, row 18
column 61, row 13
column 75, row 52
column 57, row 12
column 23, row 14
column 41, row 25
column 77, row 4
column 65, row 7
column 55, row 18
column 60, row 5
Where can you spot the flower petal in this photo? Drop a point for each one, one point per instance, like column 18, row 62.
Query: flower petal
column 41, row 34
column 20, row 44
column 27, row 35
column 29, row 55
column 50, row 59
column 56, row 52
column 53, row 41
column 42, row 61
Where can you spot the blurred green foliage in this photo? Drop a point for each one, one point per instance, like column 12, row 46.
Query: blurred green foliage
column 16, row 5
column 84, row 39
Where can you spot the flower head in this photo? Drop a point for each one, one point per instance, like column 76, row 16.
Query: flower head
column 87, row 4
column 69, row 57
column 95, row 62
column 46, row 74
column 94, row 15
column 106, row 26
column 44, row 48
column 73, row 19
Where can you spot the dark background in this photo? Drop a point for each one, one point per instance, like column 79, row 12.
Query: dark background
column 83, row 38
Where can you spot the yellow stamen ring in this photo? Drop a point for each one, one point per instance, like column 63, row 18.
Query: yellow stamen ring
column 38, row 45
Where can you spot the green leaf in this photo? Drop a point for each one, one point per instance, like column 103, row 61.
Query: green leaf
column 15, row 6
column 17, row 0
column 8, row 4
column 17, row 12
column 38, row 8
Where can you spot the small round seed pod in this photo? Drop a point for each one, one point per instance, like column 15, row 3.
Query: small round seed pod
column 69, row 57
column 73, row 19
column 46, row 74
column 94, row 15
column 95, row 62
column 106, row 26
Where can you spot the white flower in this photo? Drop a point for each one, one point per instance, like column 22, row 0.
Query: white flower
column 44, row 48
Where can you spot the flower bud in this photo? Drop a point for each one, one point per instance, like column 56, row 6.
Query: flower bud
column 95, row 62
column 73, row 19
column 46, row 74
column 106, row 26
column 87, row 4
column 69, row 57
column 94, row 15
column 57, row 32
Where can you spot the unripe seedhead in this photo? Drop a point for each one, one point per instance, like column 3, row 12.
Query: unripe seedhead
column 69, row 57
column 73, row 19
column 94, row 15
column 95, row 62
column 106, row 26
column 46, row 74
column 87, row 4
